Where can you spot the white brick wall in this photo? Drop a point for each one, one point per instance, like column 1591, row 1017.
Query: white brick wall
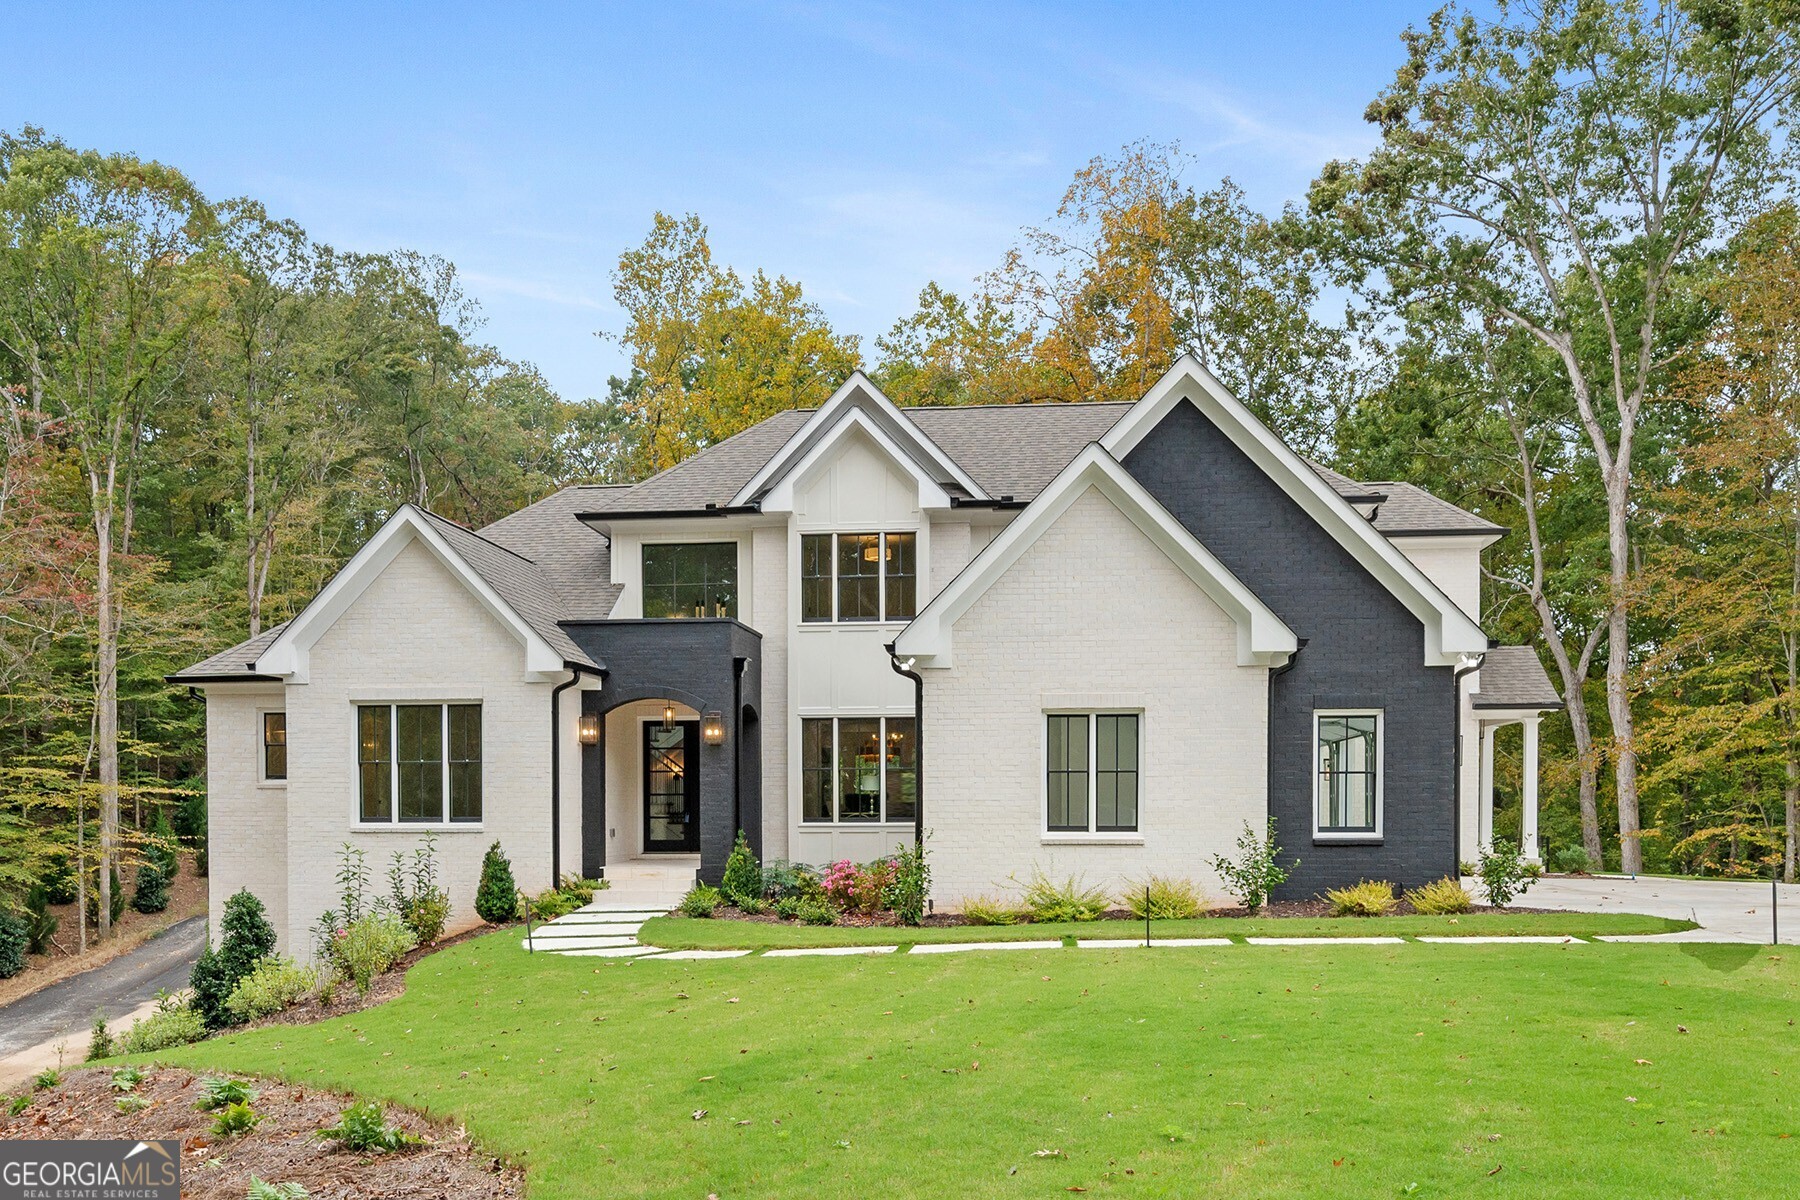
column 244, row 817
column 1092, row 616
column 415, row 635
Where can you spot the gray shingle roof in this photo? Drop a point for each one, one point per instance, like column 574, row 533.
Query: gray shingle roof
column 237, row 662
column 712, row 476
column 1514, row 677
column 539, row 602
column 1410, row 509
column 575, row 559
column 1015, row 449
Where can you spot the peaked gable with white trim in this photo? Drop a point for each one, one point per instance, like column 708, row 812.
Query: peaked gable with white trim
column 861, row 404
column 1450, row 633
column 1263, row 639
column 288, row 656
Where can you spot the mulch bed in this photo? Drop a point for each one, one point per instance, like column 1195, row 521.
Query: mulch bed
column 283, row 1147
column 1275, row 908
column 382, row 988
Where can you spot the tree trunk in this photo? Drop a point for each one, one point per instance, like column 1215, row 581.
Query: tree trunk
column 1618, row 666
column 252, row 538
column 106, row 711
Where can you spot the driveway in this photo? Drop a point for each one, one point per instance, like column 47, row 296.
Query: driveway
column 1727, row 910
column 65, row 1010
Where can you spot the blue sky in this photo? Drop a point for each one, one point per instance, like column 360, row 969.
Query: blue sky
column 861, row 149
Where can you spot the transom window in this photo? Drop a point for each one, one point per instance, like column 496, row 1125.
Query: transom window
column 1347, row 785
column 419, row 755
column 691, row 579
column 858, row 769
column 1091, row 772
column 859, row 576
column 274, row 746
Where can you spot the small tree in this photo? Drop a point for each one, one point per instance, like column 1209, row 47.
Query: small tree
column 152, row 893
column 905, row 893
column 12, row 945
column 160, row 849
column 497, row 896
column 743, row 875
column 1503, row 873
column 246, row 939
column 1254, row 873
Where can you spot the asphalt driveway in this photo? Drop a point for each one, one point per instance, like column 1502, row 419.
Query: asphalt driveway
column 66, row 1009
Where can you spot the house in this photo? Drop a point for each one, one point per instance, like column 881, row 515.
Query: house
column 1092, row 638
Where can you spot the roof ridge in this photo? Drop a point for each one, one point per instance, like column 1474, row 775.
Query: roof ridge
column 1044, row 404
column 472, row 533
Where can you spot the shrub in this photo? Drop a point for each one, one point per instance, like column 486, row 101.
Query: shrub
column 581, row 890
column 59, row 880
column 1468, row 868
column 126, row 1078
column 274, row 984
column 1370, row 898
column 816, row 912
column 701, row 901
column 219, row 1091
column 46, row 1079
column 14, row 938
column 1165, row 898
column 285, row 1190
column 151, row 894
column 743, row 877
column 1447, row 895
column 1572, row 860
column 415, row 894
column 130, row 1103
column 247, row 938
column 497, row 896
column 991, row 910
column 171, row 1025
column 40, row 923
column 908, row 886
column 100, row 1039
column 190, row 826
column 782, row 879
column 858, row 889
column 18, row 1104
column 1069, row 900
column 755, row 908
column 371, row 946
column 362, row 1128
column 551, row 904
column 1256, row 871
column 1503, row 873
column 788, row 907
column 116, row 908
column 235, row 1119
column 160, row 847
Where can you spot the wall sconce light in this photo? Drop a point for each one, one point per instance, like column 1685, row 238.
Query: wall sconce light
column 668, row 717
column 712, row 728
column 588, row 731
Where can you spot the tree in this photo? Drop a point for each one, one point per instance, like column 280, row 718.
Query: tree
column 955, row 351
column 1561, row 169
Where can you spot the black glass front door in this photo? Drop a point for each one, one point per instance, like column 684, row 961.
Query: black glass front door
column 672, row 786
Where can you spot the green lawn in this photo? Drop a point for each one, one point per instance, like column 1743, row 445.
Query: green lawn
column 1341, row 1071
column 686, row 933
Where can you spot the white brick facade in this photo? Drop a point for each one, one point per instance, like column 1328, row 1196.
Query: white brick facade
column 1093, row 616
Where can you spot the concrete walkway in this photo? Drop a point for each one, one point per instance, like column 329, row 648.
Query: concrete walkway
column 1726, row 910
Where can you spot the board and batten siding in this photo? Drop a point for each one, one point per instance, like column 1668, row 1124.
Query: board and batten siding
column 1092, row 616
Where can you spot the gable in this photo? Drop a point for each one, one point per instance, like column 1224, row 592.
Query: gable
column 396, row 624
column 856, row 482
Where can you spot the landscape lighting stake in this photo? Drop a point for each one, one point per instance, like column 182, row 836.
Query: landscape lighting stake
column 1775, row 908
column 1146, row 916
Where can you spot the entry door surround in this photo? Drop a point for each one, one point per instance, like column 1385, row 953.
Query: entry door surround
column 671, row 787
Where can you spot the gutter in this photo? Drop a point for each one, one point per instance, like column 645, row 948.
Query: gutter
column 645, row 514
column 576, row 671
column 918, row 680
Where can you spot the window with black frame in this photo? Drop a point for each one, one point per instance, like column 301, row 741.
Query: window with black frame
column 690, row 579
column 274, row 744
column 418, row 763
column 1091, row 772
column 1349, row 772
column 859, row 577
column 858, row 770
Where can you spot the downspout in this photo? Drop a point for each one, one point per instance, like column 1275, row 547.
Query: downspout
column 738, row 666
column 1269, row 724
column 1456, row 679
column 576, row 671
column 905, row 668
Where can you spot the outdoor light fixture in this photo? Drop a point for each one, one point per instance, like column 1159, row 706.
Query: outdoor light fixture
column 712, row 728
column 668, row 717
column 588, row 732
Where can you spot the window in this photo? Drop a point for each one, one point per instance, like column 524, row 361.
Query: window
column 1348, row 787
column 274, row 746
column 1091, row 772
column 858, row 770
column 411, row 758
column 859, row 576
column 694, row 579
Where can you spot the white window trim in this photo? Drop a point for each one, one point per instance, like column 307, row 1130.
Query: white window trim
column 1350, row 835
column 837, row 822
column 394, row 824
column 1089, row 836
column 262, row 758
column 836, row 622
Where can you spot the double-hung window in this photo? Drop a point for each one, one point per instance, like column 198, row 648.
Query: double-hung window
column 859, row 576
column 691, row 579
column 858, row 770
column 274, row 747
column 1347, row 781
column 418, row 763
column 1091, row 772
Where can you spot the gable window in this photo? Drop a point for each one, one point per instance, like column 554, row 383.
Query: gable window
column 1347, row 783
column 1091, row 772
column 691, row 579
column 418, row 763
column 858, row 770
column 274, row 746
column 858, row 576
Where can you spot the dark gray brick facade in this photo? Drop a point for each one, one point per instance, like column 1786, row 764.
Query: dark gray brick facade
column 1362, row 648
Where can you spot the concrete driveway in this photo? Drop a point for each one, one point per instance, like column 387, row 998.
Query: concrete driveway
column 1728, row 911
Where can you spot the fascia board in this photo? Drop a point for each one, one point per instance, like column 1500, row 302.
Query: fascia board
column 780, row 498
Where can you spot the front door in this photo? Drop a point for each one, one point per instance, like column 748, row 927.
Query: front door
column 672, row 786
